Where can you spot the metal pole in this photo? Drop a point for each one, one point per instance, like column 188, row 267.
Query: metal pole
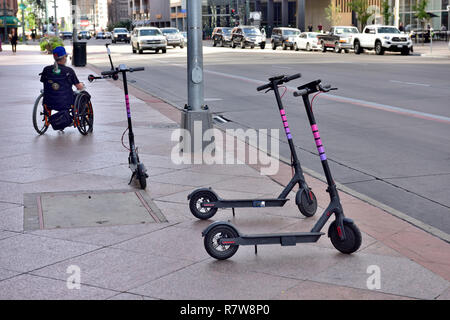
column 195, row 55
column 74, row 22
column 5, row 38
column 56, row 20
column 196, row 118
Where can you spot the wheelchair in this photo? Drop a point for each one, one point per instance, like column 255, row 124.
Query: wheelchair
column 81, row 112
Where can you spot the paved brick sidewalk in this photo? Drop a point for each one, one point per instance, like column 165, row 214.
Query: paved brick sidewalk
column 167, row 260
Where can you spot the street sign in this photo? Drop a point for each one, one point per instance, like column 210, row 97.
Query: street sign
column 22, row 6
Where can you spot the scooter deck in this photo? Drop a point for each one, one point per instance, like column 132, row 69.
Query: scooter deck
column 245, row 203
column 284, row 239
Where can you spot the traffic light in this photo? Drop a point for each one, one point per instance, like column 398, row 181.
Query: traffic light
column 233, row 13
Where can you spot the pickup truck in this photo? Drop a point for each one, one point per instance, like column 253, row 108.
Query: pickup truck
column 338, row 38
column 382, row 38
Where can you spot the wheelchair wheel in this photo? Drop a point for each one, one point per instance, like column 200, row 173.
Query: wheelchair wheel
column 84, row 114
column 40, row 116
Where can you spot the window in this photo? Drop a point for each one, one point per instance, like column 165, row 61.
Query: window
column 150, row 32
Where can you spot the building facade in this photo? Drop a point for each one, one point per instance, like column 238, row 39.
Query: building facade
column 118, row 11
column 150, row 12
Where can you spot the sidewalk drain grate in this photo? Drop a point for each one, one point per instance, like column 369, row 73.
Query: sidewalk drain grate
column 77, row 209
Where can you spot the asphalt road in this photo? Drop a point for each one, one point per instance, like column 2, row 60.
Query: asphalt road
column 386, row 131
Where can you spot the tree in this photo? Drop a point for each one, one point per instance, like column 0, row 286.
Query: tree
column 332, row 14
column 421, row 14
column 386, row 11
column 362, row 14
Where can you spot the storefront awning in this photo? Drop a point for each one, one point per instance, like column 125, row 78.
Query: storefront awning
column 10, row 21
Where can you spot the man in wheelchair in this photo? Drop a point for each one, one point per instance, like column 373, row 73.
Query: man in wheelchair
column 58, row 80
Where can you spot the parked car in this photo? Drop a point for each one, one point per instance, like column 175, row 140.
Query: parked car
column 65, row 35
column 174, row 37
column 307, row 41
column 184, row 34
column 100, row 35
column 148, row 38
column 284, row 37
column 107, row 35
column 338, row 38
column 247, row 36
column 120, row 34
column 84, row 35
column 382, row 38
column 221, row 36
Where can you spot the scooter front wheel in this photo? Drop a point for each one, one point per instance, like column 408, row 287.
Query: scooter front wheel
column 352, row 240
column 195, row 204
column 142, row 176
column 212, row 242
column 306, row 202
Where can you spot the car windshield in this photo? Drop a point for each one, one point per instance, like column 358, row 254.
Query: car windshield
column 346, row 30
column 388, row 30
column 226, row 31
column 170, row 31
column 312, row 35
column 150, row 32
column 291, row 32
column 252, row 31
column 120, row 30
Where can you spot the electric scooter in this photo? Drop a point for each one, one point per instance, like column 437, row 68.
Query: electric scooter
column 137, row 168
column 204, row 202
column 222, row 239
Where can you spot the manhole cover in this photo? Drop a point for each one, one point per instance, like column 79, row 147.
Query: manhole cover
column 88, row 209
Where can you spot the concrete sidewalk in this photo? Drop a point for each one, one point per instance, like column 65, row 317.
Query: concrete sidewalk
column 45, row 235
column 439, row 49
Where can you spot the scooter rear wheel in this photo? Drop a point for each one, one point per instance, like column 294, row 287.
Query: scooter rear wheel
column 352, row 240
column 217, row 250
column 195, row 204
column 303, row 199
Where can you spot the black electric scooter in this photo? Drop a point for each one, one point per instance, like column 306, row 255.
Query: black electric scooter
column 204, row 202
column 137, row 168
column 222, row 239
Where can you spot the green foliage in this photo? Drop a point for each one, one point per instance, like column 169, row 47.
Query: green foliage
column 421, row 12
column 386, row 11
column 50, row 43
column 332, row 13
column 360, row 7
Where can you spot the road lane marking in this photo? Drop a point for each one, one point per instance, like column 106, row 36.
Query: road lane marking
column 411, row 83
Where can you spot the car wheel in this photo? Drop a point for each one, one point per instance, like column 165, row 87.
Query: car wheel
column 214, row 43
column 284, row 46
column 233, row 45
column 379, row 50
column 405, row 52
column 140, row 50
column 357, row 47
column 274, row 46
column 295, row 47
column 337, row 49
column 133, row 49
column 242, row 44
column 164, row 50
column 263, row 45
column 308, row 47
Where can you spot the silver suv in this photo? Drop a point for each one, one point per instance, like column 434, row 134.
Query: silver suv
column 174, row 37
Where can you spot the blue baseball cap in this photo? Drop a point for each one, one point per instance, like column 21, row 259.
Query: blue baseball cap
column 59, row 52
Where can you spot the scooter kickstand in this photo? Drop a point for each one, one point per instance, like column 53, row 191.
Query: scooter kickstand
column 132, row 176
column 256, row 249
column 233, row 212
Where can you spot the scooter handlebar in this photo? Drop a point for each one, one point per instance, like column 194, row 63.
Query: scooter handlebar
column 293, row 77
column 137, row 69
column 263, row 87
column 300, row 93
column 278, row 80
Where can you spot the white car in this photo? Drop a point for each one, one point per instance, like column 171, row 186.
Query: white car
column 382, row 38
column 148, row 38
column 307, row 41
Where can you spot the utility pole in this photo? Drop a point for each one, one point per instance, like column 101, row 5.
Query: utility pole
column 196, row 118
